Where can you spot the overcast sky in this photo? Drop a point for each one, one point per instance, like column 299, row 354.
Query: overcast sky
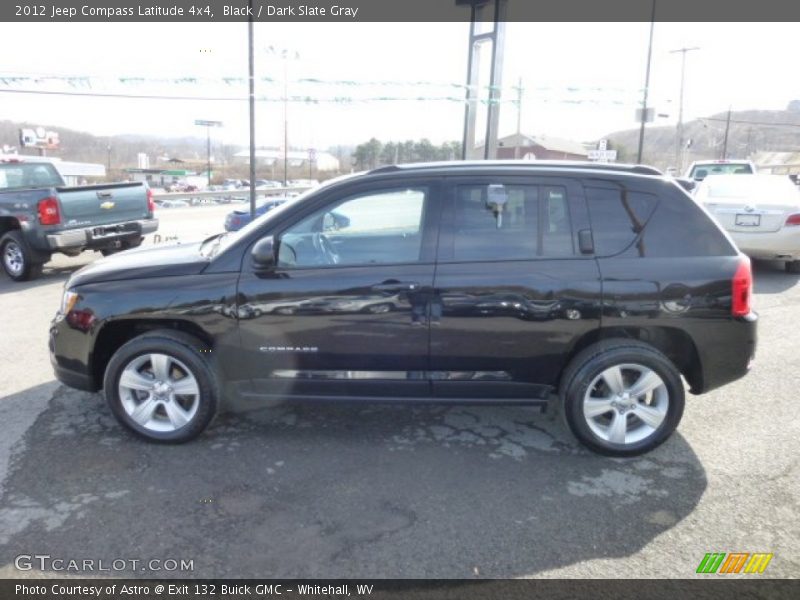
column 581, row 80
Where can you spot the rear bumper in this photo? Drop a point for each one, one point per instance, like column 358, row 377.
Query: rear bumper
column 783, row 244
column 100, row 236
column 726, row 354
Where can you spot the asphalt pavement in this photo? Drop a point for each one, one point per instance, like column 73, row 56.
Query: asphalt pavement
column 350, row 490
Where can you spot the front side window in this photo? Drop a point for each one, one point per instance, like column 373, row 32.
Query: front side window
column 381, row 227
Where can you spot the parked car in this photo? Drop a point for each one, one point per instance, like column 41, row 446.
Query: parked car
column 40, row 216
column 760, row 212
column 266, row 184
column 236, row 219
column 595, row 287
column 699, row 169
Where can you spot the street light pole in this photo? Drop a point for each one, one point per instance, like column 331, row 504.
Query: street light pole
column 208, row 125
column 284, row 53
column 679, row 130
column 252, row 105
column 285, row 118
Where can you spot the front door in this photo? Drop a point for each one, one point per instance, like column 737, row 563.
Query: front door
column 344, row 311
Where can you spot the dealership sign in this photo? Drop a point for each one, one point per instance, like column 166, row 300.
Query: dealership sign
column 38, row 138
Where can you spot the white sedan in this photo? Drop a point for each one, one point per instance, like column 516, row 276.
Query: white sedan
column 760, row 212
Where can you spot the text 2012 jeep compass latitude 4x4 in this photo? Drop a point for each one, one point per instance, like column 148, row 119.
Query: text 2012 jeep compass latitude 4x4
column 453, row 282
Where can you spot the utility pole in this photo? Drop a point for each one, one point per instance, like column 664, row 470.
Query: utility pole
column 725, row 141
column 646, row 84
column 679, row 129
column 519, row 118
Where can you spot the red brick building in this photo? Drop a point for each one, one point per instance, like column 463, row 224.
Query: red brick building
column 539, row 147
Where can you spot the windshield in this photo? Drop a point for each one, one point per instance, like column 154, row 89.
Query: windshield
column 19, row 175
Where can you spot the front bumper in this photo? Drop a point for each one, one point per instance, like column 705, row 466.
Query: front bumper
column 69, row 356
column 102, row 235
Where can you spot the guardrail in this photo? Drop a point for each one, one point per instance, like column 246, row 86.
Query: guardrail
column 240, row 193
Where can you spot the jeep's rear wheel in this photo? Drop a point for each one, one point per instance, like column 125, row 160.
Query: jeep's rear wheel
column 622, row 398
column 159, row 386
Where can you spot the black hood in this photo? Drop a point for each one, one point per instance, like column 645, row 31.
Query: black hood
column 152, row 261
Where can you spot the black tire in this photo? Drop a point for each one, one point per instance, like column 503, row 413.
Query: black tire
column 23, row 266
column 123, row 246
column 595, row 359
column 192, row 353
column 792, row 266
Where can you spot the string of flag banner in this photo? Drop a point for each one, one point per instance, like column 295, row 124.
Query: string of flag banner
column 110, row 87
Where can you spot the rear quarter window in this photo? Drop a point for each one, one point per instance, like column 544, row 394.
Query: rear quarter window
column 641, row 224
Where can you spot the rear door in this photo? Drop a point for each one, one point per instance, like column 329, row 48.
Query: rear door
column 513, row 292
column 103, row 204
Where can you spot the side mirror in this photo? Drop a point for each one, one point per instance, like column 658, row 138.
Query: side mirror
column 263, row 253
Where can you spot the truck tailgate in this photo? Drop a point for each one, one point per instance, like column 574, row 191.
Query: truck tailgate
column 103, row 204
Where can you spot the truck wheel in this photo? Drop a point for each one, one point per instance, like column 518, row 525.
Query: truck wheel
column 622, row 397
column 792, row 266
column 161, row 387
column 18, row 260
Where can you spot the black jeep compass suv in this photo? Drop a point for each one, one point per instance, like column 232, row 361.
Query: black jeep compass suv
column 605, row 286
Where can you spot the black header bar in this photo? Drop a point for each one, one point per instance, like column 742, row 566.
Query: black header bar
column 276, row 11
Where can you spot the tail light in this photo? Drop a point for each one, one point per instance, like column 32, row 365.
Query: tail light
column 742, row 289
column 151, row 205
column 793, row 220
column 48, row 211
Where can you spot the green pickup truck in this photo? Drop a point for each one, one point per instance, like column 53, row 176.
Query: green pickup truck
column 39, row 216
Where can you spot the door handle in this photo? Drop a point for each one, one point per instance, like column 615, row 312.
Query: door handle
column 104, row 195
column 396, row 286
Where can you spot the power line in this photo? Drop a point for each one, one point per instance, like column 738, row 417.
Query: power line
column 746, row 122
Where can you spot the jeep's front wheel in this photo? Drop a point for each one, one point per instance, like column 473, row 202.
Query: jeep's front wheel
column 159, row 386
column 622, row 398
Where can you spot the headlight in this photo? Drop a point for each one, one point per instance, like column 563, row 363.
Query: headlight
column 68, row 301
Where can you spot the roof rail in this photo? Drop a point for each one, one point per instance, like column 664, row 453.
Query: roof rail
column 544, row 164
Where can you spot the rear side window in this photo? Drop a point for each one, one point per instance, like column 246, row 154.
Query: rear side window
column 18, row 175
column 502, row 222
column 644, row 226
column 680, row 228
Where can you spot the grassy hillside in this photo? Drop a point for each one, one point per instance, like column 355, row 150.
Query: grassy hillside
column 750, row 131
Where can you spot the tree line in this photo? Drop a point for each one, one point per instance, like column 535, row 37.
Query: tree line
column 375, row 153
